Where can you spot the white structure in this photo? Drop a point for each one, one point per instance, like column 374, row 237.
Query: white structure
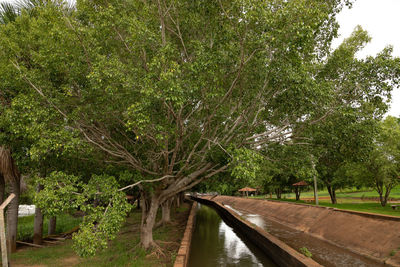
column 26, row 210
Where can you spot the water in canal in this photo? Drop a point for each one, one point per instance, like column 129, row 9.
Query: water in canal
column 214, row 243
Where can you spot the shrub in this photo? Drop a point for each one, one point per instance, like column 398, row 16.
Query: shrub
column 305, row 252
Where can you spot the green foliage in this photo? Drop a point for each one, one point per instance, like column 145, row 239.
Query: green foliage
column 246, row 164
column 104, row 205
column 289, row 164
column 60, row 193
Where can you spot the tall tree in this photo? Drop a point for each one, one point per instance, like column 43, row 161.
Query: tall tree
column 167, row 87
column 365, row 84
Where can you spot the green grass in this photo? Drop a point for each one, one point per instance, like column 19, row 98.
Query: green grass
column 122, row 251
column 350, row 204
column 343, row 193
column 65, row 222
column 371, row 207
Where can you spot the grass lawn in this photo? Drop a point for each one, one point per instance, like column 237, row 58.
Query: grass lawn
column 123, row 251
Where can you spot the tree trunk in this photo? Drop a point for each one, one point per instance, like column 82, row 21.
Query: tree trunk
column 138, row 203
column 166, row 211
column 2, row 188
column 12, row 216
column 149, row 213
column 379, row 189
column 332, row 194
column 384, row 199
column 278, row 193
column 181, row 195
column 38, row 223
column 51, row 230
column 178, row 201
column 297, row 191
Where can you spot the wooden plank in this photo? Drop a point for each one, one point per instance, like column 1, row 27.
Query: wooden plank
column 7, row 201
column 30, row 244
column 4, row 255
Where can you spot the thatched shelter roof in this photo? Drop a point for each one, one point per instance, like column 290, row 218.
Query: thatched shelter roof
column 301, row 183
column 247, row 189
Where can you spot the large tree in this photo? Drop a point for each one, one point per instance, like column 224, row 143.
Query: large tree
column 381, row 168
column 167, row 88
column 365, row 86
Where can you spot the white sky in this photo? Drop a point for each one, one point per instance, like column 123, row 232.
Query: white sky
column 381, row 19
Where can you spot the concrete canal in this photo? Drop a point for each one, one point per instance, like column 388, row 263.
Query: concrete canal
column 215, row 243
column 323, row 252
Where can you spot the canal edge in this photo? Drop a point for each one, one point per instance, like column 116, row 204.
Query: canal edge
column 182, row 257
column 278, row 251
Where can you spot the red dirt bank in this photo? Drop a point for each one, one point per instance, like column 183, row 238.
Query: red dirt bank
column 374, row 236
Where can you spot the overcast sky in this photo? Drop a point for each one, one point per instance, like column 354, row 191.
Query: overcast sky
column 382, row 21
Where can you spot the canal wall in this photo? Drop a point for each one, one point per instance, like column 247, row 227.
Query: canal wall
column 182, row 257
column 371, row 235
column 279, row 252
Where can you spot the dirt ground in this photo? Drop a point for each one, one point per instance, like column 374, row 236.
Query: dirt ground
column 376, row 236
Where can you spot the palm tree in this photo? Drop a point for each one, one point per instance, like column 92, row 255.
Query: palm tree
column 8, row 13
column 9, row 172
column 8, row 169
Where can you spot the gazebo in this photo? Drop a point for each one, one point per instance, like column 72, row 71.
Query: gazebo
column 247, row 190
column 297, row 187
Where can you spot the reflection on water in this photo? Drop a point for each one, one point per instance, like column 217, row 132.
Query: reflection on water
column 214, row 243
column 253, row 218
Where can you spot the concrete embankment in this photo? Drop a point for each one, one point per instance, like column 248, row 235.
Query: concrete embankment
column 371, row 235
column 182, row 257
column 279, row 252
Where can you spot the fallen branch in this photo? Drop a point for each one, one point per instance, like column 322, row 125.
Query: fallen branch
column 29, row 244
